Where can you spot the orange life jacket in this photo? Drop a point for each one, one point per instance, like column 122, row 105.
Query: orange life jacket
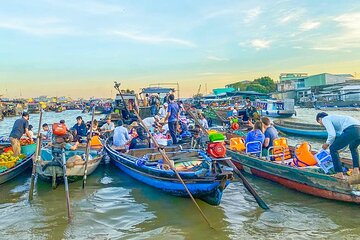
column 303, row 156
column 59, row 129
column 281, row 146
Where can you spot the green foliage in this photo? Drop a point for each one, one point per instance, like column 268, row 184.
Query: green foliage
column 257, row 88
column 262, row 85
column 266, row 82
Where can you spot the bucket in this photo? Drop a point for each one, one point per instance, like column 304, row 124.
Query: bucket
column 28, row 149
column 324, row 160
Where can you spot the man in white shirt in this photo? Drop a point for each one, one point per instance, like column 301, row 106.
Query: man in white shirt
column 151, row 121
column 348, row 129
column 203, row 121
column 163, row 111
column 108, row 127
column 121, row 135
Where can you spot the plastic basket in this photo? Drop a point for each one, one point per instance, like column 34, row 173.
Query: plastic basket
column 28, row 149
column 8, row 164
column 216, row 137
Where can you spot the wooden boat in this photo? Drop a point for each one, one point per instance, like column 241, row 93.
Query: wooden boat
column 301, row 179
column 302, row 129
column 50, row 167
column 17, row 169
column 205, row 179
column 216, row 115
column 33, row 108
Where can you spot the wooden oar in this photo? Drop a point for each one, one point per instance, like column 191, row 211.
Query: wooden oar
column 67, row 194
column 37, row 156
column 87, row 152
column 247, row 185
column 167, row 160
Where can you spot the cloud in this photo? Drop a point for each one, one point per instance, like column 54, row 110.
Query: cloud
column 151, row 39
column 40, row 27
column 260, row 44
column 291, row 15
column 309, row 25
column 252, row 14
column 218, row 59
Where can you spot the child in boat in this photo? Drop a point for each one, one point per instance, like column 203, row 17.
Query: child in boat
column 255, row 135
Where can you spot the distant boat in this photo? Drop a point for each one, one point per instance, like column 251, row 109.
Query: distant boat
column 276, row 108
column 301, row 129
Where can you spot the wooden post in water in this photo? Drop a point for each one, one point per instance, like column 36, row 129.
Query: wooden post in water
column 87, row 153
column 67, row 194
column 35, row 159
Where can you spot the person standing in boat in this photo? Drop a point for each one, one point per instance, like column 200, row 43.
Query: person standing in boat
column 163, row 110
column 270, row 133
column 20, row 127
column 203, row 121
column 172, row 117
column 348, row 129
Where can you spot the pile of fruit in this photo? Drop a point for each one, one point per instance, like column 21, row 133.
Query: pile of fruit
column 26, row 141
column 8, row 160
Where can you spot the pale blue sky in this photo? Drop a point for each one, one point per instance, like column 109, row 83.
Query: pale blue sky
column 79, row 48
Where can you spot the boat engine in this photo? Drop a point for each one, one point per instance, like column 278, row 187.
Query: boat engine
column 216, row 149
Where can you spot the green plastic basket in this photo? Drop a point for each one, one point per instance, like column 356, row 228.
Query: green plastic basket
column 216, row 137
column 28, row 149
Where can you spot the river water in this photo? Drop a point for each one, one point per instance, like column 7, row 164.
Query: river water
column 114, row 206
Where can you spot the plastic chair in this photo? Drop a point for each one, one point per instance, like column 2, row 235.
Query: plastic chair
column 255, row 144
column 324, row 160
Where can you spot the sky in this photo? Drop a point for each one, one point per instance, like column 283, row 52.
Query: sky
column 79, row 48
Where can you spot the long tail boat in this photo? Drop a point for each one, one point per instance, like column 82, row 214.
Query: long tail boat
column 205, row 178
column 301, row 179
column 301, row 129
column 17, row 169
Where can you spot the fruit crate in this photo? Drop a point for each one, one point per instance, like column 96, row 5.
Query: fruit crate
column 8, row 164
column 28, row 149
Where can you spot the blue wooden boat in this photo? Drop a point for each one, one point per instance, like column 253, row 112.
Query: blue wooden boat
column 301, row 129
column 205, row 178
column 17, row 169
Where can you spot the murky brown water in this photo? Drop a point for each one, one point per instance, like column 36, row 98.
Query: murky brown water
column 114, row 206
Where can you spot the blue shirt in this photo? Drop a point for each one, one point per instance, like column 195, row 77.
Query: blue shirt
column 80, row 130
column 173, row 109
column 19, row 128
column 272, row 134
column 252, row 136
column 336, row 124
column 121, row 136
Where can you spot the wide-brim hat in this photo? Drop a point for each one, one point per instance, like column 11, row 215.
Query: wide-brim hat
column 134, row 124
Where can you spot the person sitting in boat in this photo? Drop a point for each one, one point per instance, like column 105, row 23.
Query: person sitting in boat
column 95, row 131
column 80, row 127
column 270, row 133
column 141, row 141
column 348, row 129
column 31, row 132
column 108, row 127
column 163, row 110
column 70, row 145
column 255, row 135
column 203, row 121
column 47, row 133
column 132, row 129
column 121, row 135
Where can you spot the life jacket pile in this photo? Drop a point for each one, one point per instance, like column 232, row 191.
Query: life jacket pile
column 281, row 146
column 303, row 156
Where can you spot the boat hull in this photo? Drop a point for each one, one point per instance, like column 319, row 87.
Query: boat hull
column 302, row 132
column 316, row 184
column 210, row 190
